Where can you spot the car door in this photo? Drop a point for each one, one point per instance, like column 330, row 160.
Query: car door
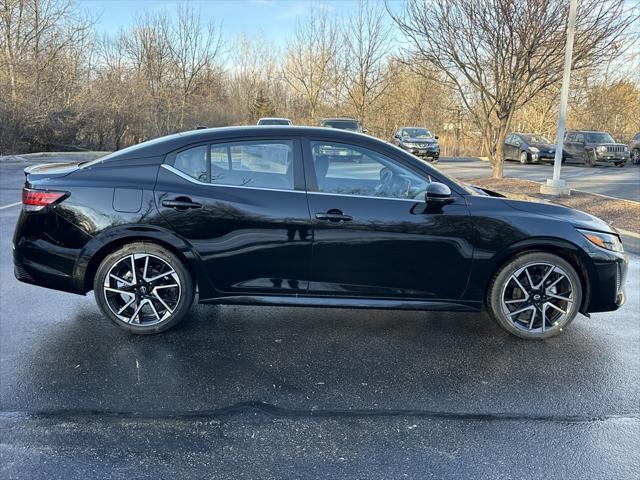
column 572, row 146
column 242, row 206
column 510, row 152
column 373, row 235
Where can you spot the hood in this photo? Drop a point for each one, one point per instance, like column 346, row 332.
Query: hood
column 543, row 147
column 566, row 214
column 608, row 144
column 419, row 140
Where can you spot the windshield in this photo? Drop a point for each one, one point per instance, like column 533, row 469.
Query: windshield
column 274, row 121
column 342, row 124
column 416, row 133
column 599, row 137
column 536, row 139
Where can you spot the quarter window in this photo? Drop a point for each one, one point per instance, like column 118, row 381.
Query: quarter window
column 193, row 162
column 351, row 170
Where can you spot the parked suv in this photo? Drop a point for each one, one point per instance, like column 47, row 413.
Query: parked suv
column 595, row 147
column 634, row 149
column 528, row 147
column 418, row 141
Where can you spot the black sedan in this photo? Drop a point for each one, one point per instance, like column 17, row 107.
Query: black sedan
column 261, row 215
column 528, row 147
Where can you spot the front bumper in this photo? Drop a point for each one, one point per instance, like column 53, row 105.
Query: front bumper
column 607, row 282
column 424, row 152
column 612, row 157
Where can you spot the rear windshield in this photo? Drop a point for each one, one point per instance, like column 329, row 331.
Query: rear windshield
column 341, row 124
column 599, row 137
column 132, row 148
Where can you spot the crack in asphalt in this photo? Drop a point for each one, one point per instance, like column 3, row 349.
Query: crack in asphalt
column 269, row 409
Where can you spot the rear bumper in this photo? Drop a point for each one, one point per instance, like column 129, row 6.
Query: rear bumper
column 46, row 249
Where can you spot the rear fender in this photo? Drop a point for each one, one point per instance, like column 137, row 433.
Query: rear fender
column 109, row 240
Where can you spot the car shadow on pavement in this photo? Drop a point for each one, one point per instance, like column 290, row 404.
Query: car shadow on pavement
column 305, row 359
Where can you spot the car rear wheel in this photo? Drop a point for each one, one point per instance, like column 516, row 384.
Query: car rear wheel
column 524, row 158
column 143, row 288
column 535, row 296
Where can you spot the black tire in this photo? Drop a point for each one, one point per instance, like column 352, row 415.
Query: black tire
column 521, row 325
column 524, row 158
column 589, row 160
column 620, row 164
column 153, row 310
column 635, row 156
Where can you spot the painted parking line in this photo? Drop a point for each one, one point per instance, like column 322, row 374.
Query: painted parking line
column 10, row 205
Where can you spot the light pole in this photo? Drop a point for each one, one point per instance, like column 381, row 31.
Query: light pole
column 556, row 186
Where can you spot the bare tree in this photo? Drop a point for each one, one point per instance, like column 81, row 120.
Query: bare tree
column 312, row 51
column 193, row 49
column 500, row 54
column 368, row 43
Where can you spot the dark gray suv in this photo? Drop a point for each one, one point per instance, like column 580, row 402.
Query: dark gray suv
column 592, row 147
column 634, row 149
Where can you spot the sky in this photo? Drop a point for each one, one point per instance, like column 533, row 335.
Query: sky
column 275, row 18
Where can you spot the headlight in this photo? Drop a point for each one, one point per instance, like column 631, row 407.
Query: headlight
column 608, row 241
column 534, row 149
column 601, row 149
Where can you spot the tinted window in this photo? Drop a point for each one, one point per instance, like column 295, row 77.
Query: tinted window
column 341, row 124
column 600, row 137
column 579, row 137
column 536, row 139
column 416, row 133
column 517, row 141
column 263, row 164
column 193, row 162
column 273, row 121
column 350, row 170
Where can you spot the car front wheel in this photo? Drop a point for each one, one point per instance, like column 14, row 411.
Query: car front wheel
column 524, row 158
column 143, row 288
column 535, row 295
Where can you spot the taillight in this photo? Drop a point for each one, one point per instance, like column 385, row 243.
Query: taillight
column 34, row 200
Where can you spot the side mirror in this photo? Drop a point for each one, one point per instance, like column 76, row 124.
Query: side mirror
column 396, row 136
column 438, row 193
column 364, row 130
column 436, row 137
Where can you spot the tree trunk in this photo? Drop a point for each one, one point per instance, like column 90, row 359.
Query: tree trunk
column 497, row 160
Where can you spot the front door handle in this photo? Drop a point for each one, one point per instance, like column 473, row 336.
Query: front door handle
column 181, row 203
column 334, row 216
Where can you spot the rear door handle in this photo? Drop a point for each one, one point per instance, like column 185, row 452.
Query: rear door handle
column 181, row 204
column 334, row 216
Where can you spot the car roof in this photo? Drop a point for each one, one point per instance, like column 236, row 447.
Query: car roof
column 425, row 128
column 163, row 145
column 274, row 118
column 587, row 131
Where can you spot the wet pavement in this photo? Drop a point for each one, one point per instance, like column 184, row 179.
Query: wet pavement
column 268, row 392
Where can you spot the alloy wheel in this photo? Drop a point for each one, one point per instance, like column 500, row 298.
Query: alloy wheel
column 142, row 289
column 538, row 297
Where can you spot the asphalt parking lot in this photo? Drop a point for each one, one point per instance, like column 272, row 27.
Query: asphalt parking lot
column 602, row 179
column 266, row 392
